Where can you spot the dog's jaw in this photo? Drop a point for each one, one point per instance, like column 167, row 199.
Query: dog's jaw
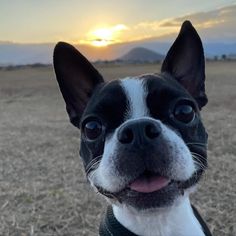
column 176, row 220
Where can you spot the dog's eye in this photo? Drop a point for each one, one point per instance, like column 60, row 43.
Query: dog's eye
column 184, row 113
column 92, row 129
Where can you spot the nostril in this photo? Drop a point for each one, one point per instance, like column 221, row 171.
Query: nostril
column 152, row 131
column 126, row 135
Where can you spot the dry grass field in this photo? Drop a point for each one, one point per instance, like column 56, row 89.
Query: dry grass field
column 43, row 190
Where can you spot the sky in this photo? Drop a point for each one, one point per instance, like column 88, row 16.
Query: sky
column 101, row 23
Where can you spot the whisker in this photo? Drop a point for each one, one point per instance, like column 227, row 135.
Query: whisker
column 197, row 161
column 93, row 164
column 197, row 154
column 199, row 165
column 199, row 158
column 200, row 144
column 90, row 175
column 204, row 178
column 92, row 168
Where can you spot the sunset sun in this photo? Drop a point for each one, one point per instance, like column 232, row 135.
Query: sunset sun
column 102, row 37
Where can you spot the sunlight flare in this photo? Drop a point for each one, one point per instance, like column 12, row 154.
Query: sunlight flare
column 102, row 37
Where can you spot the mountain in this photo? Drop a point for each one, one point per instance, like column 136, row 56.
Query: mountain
column 20, row 54
column 141, row 54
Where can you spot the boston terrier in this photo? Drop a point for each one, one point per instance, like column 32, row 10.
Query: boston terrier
column 143, row 143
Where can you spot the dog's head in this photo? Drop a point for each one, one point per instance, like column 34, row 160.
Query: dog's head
column 142, row 139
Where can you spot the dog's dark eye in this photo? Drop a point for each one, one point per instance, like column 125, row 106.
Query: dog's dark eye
column 92, row 129
column 184, row 113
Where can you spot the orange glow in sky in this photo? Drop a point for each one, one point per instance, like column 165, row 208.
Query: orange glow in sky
column 102, row 37
column 103, row 23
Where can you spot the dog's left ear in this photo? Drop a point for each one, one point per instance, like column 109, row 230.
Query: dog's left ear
column 186, row 63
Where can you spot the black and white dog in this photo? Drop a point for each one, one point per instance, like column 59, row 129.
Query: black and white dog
column 143, row 144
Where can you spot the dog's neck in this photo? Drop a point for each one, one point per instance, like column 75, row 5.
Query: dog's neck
column 177, row 220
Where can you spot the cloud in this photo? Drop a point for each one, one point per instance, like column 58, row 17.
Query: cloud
column 215, row 24
column 205, row 19
column 105, row 35
column 119, row 27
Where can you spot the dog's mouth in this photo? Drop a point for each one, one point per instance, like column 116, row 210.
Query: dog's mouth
column 152, row 184
column 149, row 182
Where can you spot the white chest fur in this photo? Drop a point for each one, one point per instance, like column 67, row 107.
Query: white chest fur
column 177, row 220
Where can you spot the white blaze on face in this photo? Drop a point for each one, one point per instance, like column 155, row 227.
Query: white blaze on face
column 136, row 93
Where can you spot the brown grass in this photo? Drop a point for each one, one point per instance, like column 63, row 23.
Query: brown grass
column 43, row 190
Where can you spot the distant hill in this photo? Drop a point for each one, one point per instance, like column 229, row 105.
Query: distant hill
column 141, row 54
column 21, row 54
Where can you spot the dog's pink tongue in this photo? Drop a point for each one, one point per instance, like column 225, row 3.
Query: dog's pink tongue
column 149, row 184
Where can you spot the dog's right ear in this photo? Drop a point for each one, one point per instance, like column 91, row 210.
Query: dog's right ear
column 77, row 79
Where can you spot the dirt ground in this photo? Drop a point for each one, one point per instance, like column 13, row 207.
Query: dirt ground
column 43, row 190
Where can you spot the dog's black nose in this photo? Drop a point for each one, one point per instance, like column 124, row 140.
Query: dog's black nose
column 139, row 132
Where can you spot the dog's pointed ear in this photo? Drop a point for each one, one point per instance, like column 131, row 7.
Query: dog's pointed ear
column 77, row 79
column 186, row 63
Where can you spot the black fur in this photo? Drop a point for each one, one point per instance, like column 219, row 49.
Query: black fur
column 88, row 97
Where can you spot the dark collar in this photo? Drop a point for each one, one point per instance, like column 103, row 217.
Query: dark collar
column 111, row 227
